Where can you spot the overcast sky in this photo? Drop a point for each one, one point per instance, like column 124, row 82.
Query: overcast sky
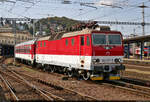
column 122, row 10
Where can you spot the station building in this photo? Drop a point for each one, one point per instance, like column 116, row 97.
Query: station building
column 7, row 36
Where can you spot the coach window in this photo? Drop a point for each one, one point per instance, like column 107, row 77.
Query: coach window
column 66, row 42
column 72, row 41
column 82, row 40
column 88, row 41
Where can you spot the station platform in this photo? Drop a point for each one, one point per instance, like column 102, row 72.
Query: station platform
column 134, row 61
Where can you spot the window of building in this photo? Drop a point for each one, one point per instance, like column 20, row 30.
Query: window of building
column 82, row 40
column 66, row 42
column 88, row 41
column 72, row 41
column 22, row 37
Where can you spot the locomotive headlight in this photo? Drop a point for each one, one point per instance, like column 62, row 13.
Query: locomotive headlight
column 117, row 60
column 120, row 60
column 96, row 60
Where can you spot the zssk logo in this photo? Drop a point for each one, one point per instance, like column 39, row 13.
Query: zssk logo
column 107, row 53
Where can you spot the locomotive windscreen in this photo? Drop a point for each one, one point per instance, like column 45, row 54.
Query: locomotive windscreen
column 114, row 39
column 101, row 39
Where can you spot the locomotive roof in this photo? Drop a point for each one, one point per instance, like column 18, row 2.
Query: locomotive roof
column 70, row 34
column 84, row 31
column 26, row 43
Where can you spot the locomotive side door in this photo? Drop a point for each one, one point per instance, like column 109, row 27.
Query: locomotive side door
column 82, row 51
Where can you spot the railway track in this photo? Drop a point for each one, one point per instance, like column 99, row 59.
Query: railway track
column 52, row 90
column 20, row 89
column 141, row 82
column 129, row 86
column 58, row 93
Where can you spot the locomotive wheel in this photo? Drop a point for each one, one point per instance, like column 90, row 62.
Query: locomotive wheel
column 86, row 75
column 46, row 68
column 70, row 73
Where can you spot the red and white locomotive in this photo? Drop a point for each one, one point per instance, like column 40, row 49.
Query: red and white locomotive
column 90, row 53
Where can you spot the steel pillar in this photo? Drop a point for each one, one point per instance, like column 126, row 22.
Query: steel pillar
column 142, row 47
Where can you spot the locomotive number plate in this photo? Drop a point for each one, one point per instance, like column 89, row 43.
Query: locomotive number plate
column 107, row 60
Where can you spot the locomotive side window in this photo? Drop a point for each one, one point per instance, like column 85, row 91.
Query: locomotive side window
column 66, row 42
column 114, row 39
column 82, row 40
column 41, row 44
column 88, row 41
column 99, row 39
column 72, row 41
column 44, row 44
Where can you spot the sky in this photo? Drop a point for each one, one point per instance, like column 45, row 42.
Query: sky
column 99, row 10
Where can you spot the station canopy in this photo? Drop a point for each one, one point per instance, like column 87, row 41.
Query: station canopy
column 145, row 38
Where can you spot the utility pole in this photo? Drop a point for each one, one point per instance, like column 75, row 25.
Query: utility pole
column 14, row 31
column 143, row 17
column 33, row 28
column 41, row 29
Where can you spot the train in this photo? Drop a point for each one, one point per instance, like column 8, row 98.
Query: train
column 137, row 51
column 90, row 53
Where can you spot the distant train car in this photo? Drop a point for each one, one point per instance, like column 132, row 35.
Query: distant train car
column 25, row 51
column 138, row 51
column 94, row 54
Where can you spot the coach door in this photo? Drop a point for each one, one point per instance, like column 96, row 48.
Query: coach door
column 82, row 51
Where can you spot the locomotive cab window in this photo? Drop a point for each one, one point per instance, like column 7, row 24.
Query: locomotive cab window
column 99, row 39
column 82, row 40
column 114, row 39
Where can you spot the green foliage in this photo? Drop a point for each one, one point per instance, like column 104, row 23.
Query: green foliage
column 55, row 23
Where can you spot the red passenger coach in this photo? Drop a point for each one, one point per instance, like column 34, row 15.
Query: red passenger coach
column 25, row 51
column 90, row 53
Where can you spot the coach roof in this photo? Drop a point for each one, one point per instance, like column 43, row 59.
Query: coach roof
column 26, row 43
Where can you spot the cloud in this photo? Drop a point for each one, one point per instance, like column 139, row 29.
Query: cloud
column 112, row 2
column 108, row 2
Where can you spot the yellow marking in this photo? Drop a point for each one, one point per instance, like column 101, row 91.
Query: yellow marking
column 114, row 78
column 96, row 78
column 138, row 71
